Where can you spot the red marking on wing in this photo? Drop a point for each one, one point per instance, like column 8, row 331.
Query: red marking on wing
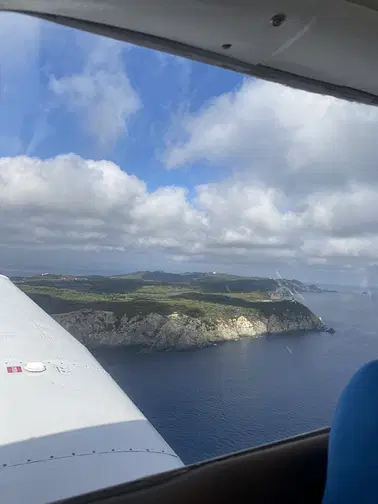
column 14, row 369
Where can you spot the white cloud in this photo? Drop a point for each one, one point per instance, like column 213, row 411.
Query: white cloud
column 305, row 178
column 68, row 201
column 352, row 211
column 102, row 93
column 284, row 137
column 71, row 204
column 303, row 189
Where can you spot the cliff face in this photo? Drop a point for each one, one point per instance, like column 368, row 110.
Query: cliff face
column 178, row 331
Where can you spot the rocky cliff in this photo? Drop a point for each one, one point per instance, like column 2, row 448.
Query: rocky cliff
column 156, row 331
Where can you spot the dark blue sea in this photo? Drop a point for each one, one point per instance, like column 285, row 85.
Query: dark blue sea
column 216, row 400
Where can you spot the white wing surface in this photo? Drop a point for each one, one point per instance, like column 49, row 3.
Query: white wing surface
column 65, row 426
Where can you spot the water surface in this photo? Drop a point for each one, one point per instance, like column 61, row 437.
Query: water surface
column 216, row 400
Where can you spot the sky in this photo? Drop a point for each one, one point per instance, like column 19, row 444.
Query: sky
column 116, row 158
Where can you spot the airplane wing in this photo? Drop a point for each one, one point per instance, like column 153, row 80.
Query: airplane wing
column 325, row 46
column 66, row 428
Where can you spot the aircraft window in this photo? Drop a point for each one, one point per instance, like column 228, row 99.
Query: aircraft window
column 211, row 238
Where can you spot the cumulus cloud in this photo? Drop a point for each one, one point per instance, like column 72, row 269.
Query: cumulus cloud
column 306, row 172
column 288, row 138
column 68, row 201
column 73, row 204
column 101, row 94
column 301, row 191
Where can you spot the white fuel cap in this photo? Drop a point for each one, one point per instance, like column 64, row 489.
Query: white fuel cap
column 35, row 367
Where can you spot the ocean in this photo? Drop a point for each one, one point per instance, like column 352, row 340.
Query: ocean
column 212, row 401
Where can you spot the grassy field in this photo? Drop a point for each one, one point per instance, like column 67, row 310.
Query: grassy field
column 112, row 291
column 197, row 295
column 148, row 299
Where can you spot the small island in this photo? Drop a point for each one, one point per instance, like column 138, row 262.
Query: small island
column 155, row 310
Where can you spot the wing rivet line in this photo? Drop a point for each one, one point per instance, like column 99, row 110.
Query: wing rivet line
column 60, row 457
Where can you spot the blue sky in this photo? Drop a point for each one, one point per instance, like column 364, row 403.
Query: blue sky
column 168, row 86
column 115, row 158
